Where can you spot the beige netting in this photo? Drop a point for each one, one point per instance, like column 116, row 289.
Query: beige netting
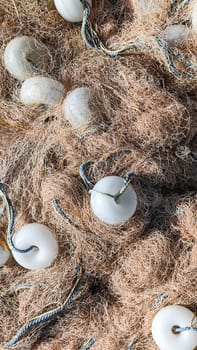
column 130, row 271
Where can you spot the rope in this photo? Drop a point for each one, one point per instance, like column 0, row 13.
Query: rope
column 93, row 42
column 11, row 217
column 181, row 58
column 89, row 184
column 91, row 131
column 172, row 210
column 114, row 158
column 26, row 285
column 3, row 209
column 60, row 211
column 160, row 299
column 82, row 173
column 177, row 5
column 184, row 329
column 89, row 343
column 130, row 347
column 116, row 197
column 182, row 4
column 49, row 314
column 84, row 166
column 169, row 59
column 192, row 327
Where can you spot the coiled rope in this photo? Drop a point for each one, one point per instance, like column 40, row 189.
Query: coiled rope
column 93, row 41
column 73, row 295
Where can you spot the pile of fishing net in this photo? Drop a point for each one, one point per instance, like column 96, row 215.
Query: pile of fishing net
column 143, row 121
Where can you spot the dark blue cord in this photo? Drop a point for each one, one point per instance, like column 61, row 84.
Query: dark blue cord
column 185, row 329
column 89, row 344
column 11, row 218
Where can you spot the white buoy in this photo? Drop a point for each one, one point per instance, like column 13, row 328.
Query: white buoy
column 70, row 10
column 106, row 208
column 148, row 7
column 25, row 57
column 76, row 107
column 164, row 329
column 4, row 256
column 175, row 33
column 41, row 90
column 39, row 236
column 194, row 17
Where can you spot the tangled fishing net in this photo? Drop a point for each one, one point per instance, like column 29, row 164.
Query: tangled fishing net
column 144, row 118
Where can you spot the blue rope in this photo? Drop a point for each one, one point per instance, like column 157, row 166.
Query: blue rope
column 181, row 58
column 127, row 180
column 171, row 210
column 3, row 209
column 130, row 347
column 161, row 297
column 182, row 4
column 82, row 172
column 85, row 29
column 48, row 315
column 11, row 218
column 61, row 212
column 182, row 212
column 185, row 329
column 115, row 158
column 89, row 184
column 92, row 41
column 175, row 6
column 168, row 56
column 25, row 285
column 89, row 343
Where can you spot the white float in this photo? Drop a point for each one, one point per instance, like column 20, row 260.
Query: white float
column 194, row 17
column 41, row 90
column 163, row 330
column 70, row 10
column 148, row 7
column 76, row 107
column 4, row 256
column 106, row 208
column 175, row 33
column 45, row 246
column 24, row 57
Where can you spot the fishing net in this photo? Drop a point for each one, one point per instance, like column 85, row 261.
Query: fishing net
column 143, row 121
